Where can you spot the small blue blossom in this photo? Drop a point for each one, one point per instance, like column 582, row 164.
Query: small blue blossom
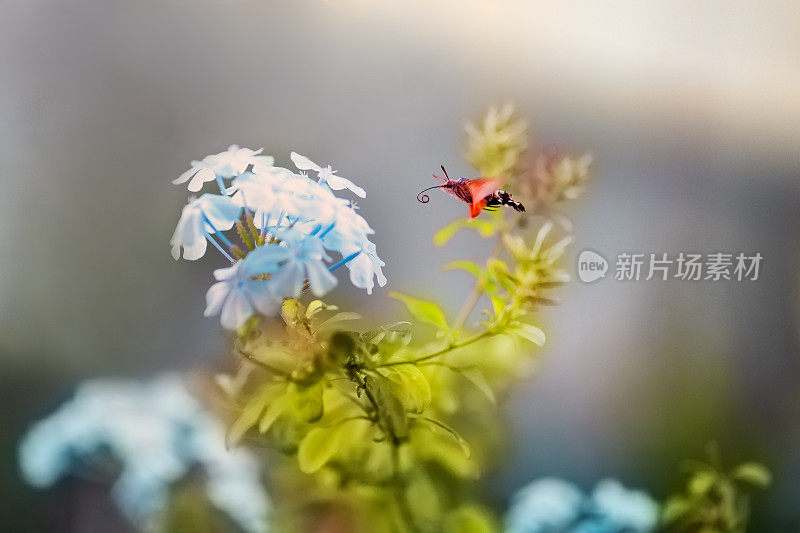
column 157, row 432
column 200, row 218
column 298, row 221
column 546, row 505
column 365, row 265
column 238, row 292
column 555, row 506
column 327, row 175
column 304, row 260
column 629, row 510
column 229, row 163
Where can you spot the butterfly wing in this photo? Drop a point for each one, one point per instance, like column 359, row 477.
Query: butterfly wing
column 479, row 189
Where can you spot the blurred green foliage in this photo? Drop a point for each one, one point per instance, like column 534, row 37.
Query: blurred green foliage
column 713, row 501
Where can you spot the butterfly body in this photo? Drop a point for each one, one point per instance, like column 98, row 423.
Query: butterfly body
column 479, row 193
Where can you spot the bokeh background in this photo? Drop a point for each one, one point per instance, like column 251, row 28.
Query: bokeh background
column 691, row 109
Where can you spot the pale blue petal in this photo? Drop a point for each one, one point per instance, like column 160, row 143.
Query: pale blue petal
column 262, row 297
column 289, row 279
column 215, row 297
column 320, row 278
column 202, row 176
column 236, row 310
column 264, row 259
column 220, row 210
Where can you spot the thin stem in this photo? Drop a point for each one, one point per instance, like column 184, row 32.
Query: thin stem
column 218, row 247
column 262, row 364
column 476, row 293
column 344, row 261
column 449, row 348
column 221, row 185
column 221, row 235
column 400, row 489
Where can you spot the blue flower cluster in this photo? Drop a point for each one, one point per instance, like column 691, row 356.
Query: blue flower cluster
column 552, row 505
column 156, row 432
column 299, row 221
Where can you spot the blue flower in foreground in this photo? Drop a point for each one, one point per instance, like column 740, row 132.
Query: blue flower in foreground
column 556, row 506
column 200, row 218
column 292, row 223
column 158, row 433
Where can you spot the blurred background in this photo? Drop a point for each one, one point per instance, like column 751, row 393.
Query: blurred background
column 691, row 110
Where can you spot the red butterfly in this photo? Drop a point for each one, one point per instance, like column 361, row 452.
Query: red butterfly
column 479, row 193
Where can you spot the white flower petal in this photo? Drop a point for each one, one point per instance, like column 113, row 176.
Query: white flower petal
column 337, row 183
column 236, row 310
column 304, row 163
column 263, row 298
column 289, row 279
column 215, row 298
column 320, row 278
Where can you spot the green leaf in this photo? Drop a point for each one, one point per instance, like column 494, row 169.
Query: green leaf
column 470, row 519
column 249, row 416
column 423, row 497
column 477, row 378
column 754, row 473
column 423, row 310
column 498, row 305
column 338, row 317
column 318, row 305
column 444, row 428
column 675, row 508
column 391, row 409
column 701, row 482
column 531, row 333
column 318, row 447
column 409, row 384
column 307, row 401
column 485, row 228
column 273, row 411
column 467, row 266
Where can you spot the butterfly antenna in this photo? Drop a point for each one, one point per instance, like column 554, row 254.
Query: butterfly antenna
column 424, row 198
column 445, row 172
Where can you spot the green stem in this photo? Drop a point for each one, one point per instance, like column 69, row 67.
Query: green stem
column 450, row 347
column 477, row 291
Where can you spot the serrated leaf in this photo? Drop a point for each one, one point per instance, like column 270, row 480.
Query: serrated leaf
column 754, row 473
column 423, row 310
column 477, row 378
column 531, row 333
